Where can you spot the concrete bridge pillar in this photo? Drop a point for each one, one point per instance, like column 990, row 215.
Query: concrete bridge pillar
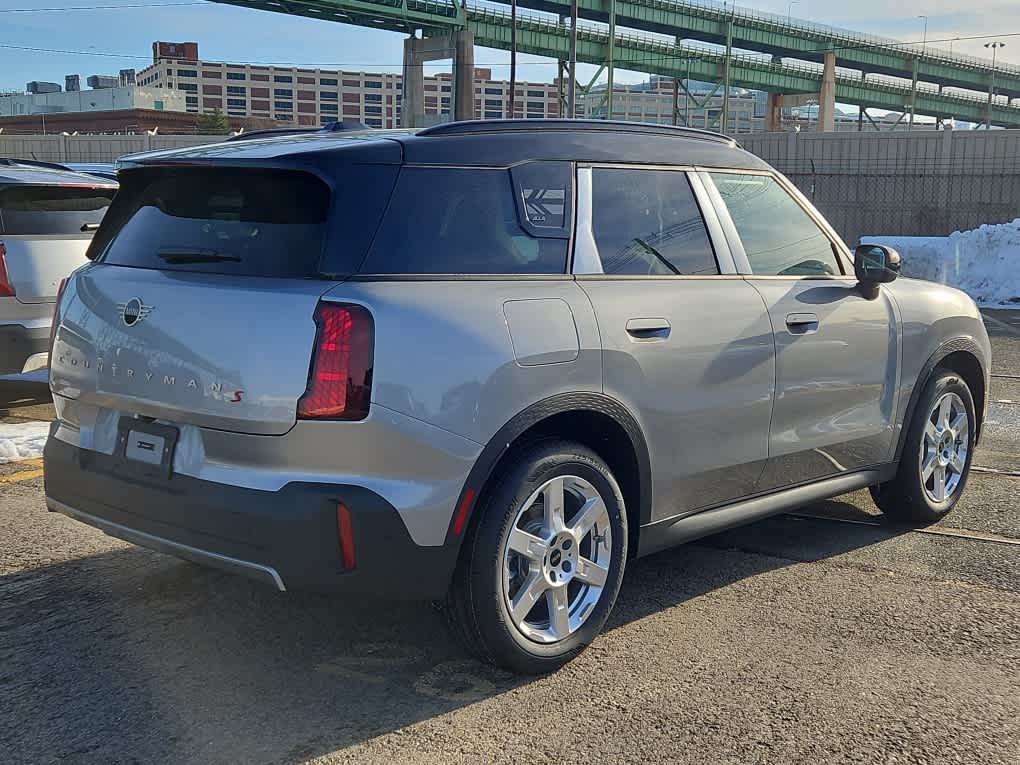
column 827, row 95
column 774, row 113
column 459, row 46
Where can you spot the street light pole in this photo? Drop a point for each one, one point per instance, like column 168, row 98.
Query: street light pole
column 924, row 35
column 789, row 10
column 991, row 81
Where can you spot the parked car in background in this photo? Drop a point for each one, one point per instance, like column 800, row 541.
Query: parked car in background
column 490, row 363
column 47, row 219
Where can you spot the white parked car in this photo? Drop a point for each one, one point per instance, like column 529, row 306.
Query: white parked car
column 47, row 218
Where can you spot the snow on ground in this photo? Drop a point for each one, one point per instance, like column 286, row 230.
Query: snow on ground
column 22, row 440
column 983, row 262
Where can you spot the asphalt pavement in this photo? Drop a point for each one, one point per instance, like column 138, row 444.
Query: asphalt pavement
column 823, row 636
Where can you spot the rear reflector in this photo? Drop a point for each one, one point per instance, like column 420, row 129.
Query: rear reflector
column 340, row 383
column 345, row 532
column 462, row 510
column 6, row 288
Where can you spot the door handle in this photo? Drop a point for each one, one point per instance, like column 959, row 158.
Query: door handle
column 801, row 323
column 648, row 329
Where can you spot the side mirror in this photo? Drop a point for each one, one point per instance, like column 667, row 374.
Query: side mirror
column 876, row 264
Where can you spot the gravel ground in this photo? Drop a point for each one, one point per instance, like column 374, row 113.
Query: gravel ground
column 798, row 639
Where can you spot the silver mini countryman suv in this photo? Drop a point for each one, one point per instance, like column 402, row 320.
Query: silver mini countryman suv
column 490, row 363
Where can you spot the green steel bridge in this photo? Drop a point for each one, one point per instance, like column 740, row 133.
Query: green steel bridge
column 923, row 75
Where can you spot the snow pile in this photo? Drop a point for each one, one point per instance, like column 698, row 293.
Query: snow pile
column 22, row 440
column 984, row 262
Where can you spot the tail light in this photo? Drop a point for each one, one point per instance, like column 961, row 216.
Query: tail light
column 6, row 288
column 56, row 315
column 340, row 383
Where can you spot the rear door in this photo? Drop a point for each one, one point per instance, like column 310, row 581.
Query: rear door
column 687, row 343
column 46, row 230
column 837, row 351
column 200, row 306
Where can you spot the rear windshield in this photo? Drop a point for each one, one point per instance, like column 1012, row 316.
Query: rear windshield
column 240, row 221
column 42, row 210
column 461, row 221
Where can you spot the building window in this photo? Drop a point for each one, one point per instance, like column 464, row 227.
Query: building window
column 494, row 91
column 283, row 105
column 493, row 115
column 187, row 73
column 493, row 103
column 537, row 105
column 330, row 81
column 374, row 122
column 536, row 94
column 190, row 87
column 373, row 110
column 283, row 92
column 371, row 84
column 282, row 78
column 445, row 88
column 235, row 90
column 235, row 75
column 191, row 100
column 327, row 95
column 328, row 108
column 285, row 117
column 445, row 100
column 375, row 98
column 327, row 120
column 534, row 116
column 237, row 103
column 236, row 113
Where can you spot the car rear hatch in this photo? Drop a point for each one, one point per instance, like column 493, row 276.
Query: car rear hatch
column 200, row 308
column 45, row 230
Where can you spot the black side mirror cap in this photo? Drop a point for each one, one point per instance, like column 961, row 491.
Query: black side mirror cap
column 876, row 264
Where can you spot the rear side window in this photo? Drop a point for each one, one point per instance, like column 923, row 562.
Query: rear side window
column 42, row 210
column 461, row 221
column 239, row 221
column 648, row 223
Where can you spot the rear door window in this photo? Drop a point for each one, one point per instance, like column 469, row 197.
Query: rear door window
column 648, row 223
column 239, row 221
column 466, row 221
column 46, row 210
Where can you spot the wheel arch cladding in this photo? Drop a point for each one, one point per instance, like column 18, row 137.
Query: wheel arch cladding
column 594, row 420
column 962, row 356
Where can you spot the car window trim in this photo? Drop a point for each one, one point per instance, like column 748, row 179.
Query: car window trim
column 839, row 250
column 587, row 262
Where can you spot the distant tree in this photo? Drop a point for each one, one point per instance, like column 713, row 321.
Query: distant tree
column 213, row 123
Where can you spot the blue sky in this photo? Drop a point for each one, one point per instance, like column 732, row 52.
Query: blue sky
column 227, row 33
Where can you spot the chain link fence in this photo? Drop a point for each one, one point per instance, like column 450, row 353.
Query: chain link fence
column 901, row 184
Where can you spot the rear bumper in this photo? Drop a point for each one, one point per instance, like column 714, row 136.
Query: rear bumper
column 287, row 539
column 18, row 343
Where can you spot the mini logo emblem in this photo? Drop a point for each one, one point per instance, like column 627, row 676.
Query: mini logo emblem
column 133, row 311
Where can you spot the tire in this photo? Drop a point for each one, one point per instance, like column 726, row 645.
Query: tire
column 546, row 569
column 912, row 496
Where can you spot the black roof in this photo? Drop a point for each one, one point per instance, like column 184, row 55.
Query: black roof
column 486, row 143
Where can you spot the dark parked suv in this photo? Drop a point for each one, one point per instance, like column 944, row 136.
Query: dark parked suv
column 490, row 363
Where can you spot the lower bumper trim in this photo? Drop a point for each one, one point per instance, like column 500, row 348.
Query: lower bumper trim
column 258, row 571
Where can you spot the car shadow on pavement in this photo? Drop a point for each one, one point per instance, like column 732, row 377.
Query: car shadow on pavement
column 129, row 656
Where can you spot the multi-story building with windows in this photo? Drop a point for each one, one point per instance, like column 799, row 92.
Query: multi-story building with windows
column 312, row 97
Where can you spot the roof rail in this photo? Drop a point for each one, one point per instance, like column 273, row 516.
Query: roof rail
column 472, row 127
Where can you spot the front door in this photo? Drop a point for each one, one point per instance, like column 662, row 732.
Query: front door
column 687, row 343
column 837, row 351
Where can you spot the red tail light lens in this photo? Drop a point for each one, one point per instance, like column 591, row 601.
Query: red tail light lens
column 340, row 384
column 6, row 288
column 56, row 315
